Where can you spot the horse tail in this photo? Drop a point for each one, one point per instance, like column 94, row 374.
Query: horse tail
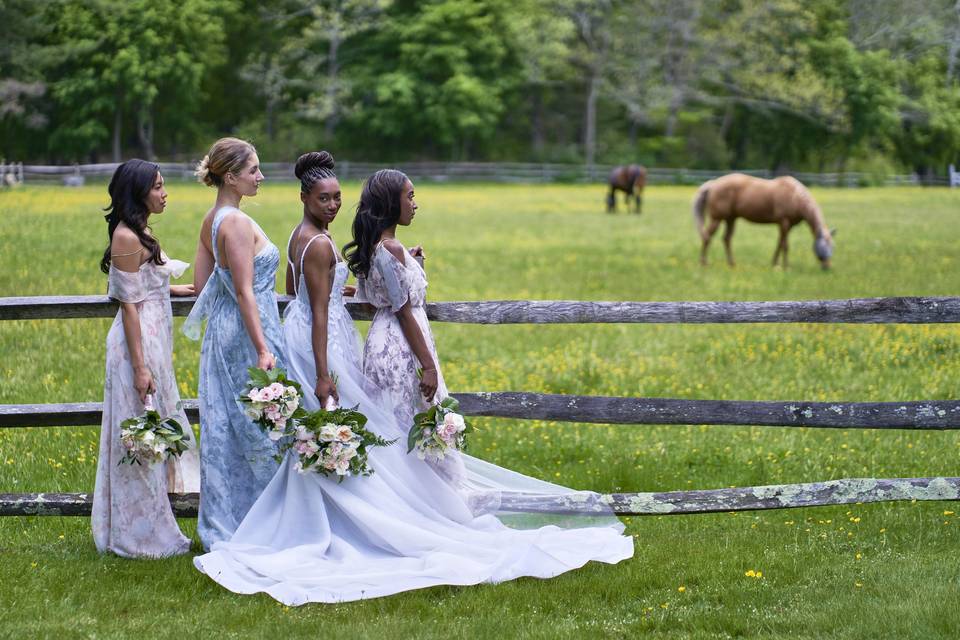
column 700, row 205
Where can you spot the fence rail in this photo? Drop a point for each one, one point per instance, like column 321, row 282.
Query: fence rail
column 535, row 172
column 782, row 496
column 903, row 310
column 924, row 414
column 927, row 415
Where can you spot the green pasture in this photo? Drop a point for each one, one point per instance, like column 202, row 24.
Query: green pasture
column 858, row 571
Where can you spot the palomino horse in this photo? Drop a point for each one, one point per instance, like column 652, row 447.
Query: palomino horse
column 630, row 179
column 782, row 201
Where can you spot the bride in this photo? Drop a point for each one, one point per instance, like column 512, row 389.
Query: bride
column 410, row 525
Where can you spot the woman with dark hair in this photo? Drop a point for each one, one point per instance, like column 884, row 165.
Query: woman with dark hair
column 234, row 277
column 131, row 511
column 313, row 538
column 399, row 343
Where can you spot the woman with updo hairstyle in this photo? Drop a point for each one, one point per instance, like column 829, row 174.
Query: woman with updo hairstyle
column 234, row 277
column 316, row 276
column 131, row 512
column 409, row 524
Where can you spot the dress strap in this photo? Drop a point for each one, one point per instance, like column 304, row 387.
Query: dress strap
column 290, row 245
column 303, row 254
column 218, row 217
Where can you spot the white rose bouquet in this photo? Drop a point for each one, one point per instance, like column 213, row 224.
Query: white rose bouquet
column 438, row 431
column 333, row 441
column 272, row 401
column 149, row 438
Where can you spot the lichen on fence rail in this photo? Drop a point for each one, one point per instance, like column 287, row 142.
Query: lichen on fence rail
column 785, row 496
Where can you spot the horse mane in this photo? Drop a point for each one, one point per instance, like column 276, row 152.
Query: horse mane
column 811, row 211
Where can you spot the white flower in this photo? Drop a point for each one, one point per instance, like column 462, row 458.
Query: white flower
column 303, row 434
column 274, row 434
column 454, row 421
column 252, row 412
column 344, row 433
column 328, row 432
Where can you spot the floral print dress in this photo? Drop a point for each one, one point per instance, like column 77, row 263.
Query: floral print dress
column 131, row 511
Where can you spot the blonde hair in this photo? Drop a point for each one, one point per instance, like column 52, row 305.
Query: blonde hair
column 225, row 156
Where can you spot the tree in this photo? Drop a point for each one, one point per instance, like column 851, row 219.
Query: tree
column 133, row 61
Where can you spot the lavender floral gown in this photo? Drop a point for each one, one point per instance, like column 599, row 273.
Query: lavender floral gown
column 236, row 459
column 309, row 538
column 131, row 512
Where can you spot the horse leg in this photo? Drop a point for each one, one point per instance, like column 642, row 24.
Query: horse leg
column 707, row 235
column 782, row 244
column 611, row 201
column 638, row 200
column 727, row 236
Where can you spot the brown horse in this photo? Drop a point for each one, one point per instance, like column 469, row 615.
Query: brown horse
column 782, row 201
column 630, row 179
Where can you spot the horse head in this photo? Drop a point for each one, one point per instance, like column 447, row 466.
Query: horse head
column 823, row 247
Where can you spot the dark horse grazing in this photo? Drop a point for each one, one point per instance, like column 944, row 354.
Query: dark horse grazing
column 630, row 179
column 782, row 201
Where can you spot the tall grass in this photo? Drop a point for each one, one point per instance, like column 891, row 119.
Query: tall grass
column 860, row 571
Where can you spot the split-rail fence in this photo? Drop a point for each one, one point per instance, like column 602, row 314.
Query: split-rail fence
column 910, row 415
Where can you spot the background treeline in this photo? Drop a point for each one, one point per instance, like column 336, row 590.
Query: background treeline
column 819, row 85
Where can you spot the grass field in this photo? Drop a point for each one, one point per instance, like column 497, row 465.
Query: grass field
column 864, row 571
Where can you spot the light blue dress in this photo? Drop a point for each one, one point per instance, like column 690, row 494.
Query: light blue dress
column 236, row 458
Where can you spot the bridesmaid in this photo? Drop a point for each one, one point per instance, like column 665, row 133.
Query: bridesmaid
column 321, row 198
column 399, row 341
column 131, row 511
column 235, row 274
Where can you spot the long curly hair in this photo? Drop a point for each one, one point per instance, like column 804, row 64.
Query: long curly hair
column 129, row 188
column 378, row 210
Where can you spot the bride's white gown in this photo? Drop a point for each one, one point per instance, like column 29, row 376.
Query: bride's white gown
column 309, row 539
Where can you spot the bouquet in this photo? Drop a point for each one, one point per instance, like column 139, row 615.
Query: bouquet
column 333, row 440
column 272, row 401
column 438, row 430
column 149, row 438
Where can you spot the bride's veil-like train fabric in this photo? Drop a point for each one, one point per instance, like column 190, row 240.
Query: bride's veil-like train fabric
column 309, row 538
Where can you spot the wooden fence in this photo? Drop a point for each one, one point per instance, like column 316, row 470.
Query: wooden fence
column 913, row 415
column 524, row 172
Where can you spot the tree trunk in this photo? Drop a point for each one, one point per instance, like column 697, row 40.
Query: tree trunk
column 953, row 48
column 145, row 134
column 590, row 121
column 117, row 130
column 536, row 121
column 333, row 72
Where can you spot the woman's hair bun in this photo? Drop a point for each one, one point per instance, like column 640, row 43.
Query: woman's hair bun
column 203, row 171
column 313, row 160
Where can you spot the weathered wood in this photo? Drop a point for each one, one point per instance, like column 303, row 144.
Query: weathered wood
column 786, row 496
column 913, row 310
column 922, row 415
column 910, row 310
column 64, row 307
column 68, row 414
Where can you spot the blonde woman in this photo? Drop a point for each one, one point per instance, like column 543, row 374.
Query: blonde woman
column 236, row 266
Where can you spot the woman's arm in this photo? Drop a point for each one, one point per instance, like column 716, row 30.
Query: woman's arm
column 291, row 285
column 203, row 262
column 413, row 334
column 127, row 253
column 316, row 274
column 239, row 239
column 418, row 344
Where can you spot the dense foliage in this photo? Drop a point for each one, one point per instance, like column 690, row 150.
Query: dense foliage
column 869, row 85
